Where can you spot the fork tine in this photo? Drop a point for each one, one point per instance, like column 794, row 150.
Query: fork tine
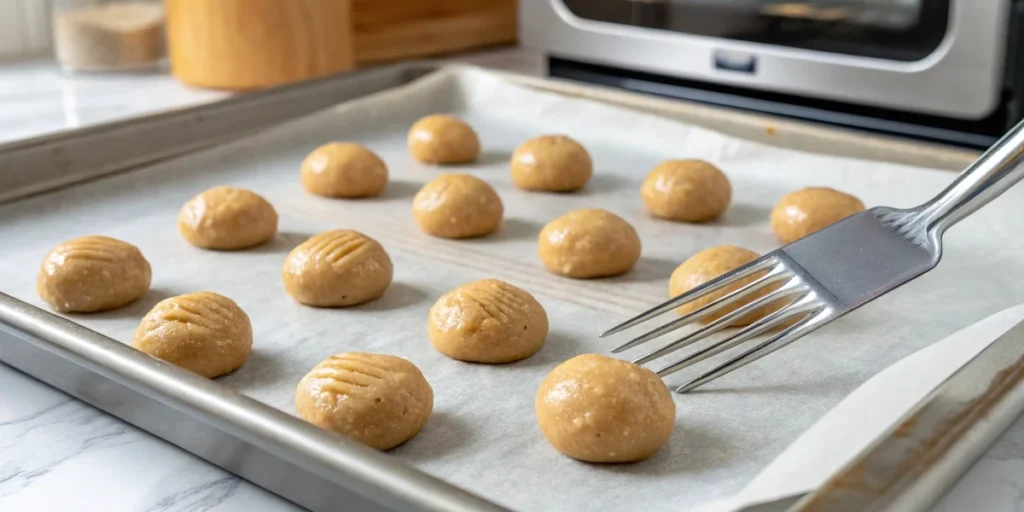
column 792, row 287
column 762, row 263
column 776, row 342
column 773, row 276
column 800, row 306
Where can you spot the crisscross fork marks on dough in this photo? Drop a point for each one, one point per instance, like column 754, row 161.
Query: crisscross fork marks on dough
column 350, row 250
column 495, row 311
column 334, row 379
column 348, row 374
column 72, row 253
column 202, row 312
column 504, row 297
column 340, row 365
column 339, row 388
column 371, row 361
column 95, row 248
column 90, row 251
column 335, row 246
column 337, row 376
column 218, row 303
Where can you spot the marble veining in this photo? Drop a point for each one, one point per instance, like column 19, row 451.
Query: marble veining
column 55, row 450
column 205, row 496
column 59, row 454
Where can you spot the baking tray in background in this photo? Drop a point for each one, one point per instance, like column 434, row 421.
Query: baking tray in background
column 316, row 469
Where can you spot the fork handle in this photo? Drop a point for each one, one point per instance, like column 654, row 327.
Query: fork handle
column 997, row 170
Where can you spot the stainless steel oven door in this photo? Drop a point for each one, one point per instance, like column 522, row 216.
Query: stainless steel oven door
column 953, row 72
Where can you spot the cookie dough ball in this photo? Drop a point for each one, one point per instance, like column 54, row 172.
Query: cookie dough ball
column 381, row 401
column 227, row 219
column 598, row 409
column 686, row 190
column 811, row 209
column 488, row 321
column 709, row 264
column 203, row 332
column 91, row 274
column 441, row 139
column 588, row 243
column 336, row 269
column 457, row 206
column 551, row 163
column 341, row 169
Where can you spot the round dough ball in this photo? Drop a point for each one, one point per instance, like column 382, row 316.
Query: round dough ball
column 686, row 190
column 598, row 409
column 457, row 206
column 341, row 169
column 227, row 219
column 811, row 209
column 91, row 274
column 336, row 269
column 588, row 243
column 709, row 264
column 488, row 321
column 381, row 401
column 203, row 332
column 551, row 163
column 439, row 139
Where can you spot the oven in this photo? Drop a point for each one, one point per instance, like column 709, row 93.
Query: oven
column 940, row 70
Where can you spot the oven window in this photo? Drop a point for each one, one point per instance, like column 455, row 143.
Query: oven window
column 903, row 30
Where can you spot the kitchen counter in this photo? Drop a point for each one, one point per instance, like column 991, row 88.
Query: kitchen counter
column 59, row 454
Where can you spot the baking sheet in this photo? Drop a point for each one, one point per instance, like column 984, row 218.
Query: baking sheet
column 483, row 435
column 875, row 407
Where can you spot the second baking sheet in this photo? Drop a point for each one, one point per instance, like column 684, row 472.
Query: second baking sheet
column 483, row 435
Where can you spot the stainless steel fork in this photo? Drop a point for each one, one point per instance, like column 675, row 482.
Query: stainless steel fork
column 832, row 272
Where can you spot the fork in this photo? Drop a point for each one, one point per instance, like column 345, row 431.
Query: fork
column 827, row 274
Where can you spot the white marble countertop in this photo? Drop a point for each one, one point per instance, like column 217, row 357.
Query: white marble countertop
column 59, row 454
column 36, row 99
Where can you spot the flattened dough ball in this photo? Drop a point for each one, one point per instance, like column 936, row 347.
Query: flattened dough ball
column 342, row 169
column 598, row 409
column 203, row 332
column 457, row 206
column 811, row 209
column 488, row 321
column 227, row 219
column 551, row 163
column 588, row 243
column 93, row 273
column 381, row 401
column 686, row 190
column 709, row 264
column 440, row 139
column 336, row 269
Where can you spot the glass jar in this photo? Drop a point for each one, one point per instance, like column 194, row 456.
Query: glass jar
column 108, row 35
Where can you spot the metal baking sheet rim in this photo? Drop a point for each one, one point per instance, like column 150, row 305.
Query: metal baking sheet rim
column 274, row 450
column 934, row 454
column 306, row 465
column 66, row 158
column 313, row 468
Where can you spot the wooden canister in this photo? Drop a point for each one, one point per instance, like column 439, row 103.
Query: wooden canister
column 402, row 29
column 252, row 44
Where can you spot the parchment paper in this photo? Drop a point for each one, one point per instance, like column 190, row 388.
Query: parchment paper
column 871, row 410
column 483, row 434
